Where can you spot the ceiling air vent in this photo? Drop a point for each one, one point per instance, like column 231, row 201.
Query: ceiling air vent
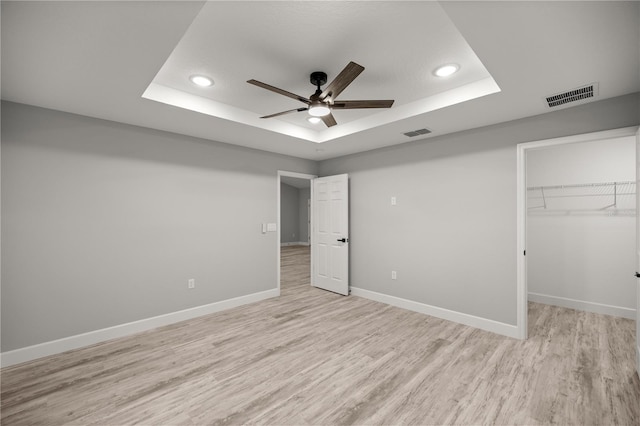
column 584, row 92
column 418, row 132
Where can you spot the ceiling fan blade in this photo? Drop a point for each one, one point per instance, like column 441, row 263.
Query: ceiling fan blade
column 280, row 91
column 346, row 76
column 362, row 104
column 285, row 112
column 329, row 120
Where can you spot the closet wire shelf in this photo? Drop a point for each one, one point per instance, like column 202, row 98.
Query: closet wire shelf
column 607, row 198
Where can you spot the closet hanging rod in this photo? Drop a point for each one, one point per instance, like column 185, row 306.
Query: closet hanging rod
column 582, row 185
column 581, row 195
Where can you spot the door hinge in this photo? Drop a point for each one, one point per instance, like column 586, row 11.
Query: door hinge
column 525, row 253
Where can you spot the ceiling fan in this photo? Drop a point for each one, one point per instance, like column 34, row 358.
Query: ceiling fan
column 322, row 102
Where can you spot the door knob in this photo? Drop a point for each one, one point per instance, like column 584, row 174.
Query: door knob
column 637, row 275
column 343, row 240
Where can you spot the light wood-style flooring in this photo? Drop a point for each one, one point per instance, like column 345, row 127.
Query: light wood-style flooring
column 313, row 357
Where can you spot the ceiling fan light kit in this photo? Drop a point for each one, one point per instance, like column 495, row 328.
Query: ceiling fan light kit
column 318, row 109
column 322, row 102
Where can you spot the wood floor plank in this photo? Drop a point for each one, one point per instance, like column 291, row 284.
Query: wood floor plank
column 314, row 357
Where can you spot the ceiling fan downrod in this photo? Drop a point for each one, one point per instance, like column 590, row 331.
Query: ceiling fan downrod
column 318, row 78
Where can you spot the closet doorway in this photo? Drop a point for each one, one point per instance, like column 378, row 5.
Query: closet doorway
column 294, row 226
column 577, row 224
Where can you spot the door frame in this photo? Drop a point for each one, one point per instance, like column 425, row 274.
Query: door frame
column 521, row 209
column 309, row 219
column 278, row 201
column 637, row 253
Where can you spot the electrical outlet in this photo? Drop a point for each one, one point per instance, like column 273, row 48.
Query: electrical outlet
column 192, row 283
column 394, row 275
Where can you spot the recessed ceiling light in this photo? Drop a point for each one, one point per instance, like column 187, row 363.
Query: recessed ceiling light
column 446, row 70
column 314, row 120
column 201, row 80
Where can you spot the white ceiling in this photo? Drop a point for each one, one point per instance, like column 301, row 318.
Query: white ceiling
column 99, row 58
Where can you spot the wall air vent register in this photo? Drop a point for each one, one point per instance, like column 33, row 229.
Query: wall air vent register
column 584, row 92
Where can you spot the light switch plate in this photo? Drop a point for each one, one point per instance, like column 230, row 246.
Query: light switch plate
column 272, row 227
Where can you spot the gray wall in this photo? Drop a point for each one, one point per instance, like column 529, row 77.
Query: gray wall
column 289, row 217
column 575, row 249
column 304, row 195
column 452, row 235
column 104, row 223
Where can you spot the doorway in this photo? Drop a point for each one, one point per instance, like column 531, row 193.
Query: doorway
column 549, row 197
column 294, row 224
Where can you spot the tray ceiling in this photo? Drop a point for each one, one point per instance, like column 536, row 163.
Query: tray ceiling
column 400, row 44
column 98, row 58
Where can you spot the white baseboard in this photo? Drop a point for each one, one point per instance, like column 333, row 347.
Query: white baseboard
column 296, row 243
column 30, row 353
column 581, row 305
column 458, row 317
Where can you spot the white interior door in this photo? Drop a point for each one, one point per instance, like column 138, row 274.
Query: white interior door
column 330, row 241
column 638, row 251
